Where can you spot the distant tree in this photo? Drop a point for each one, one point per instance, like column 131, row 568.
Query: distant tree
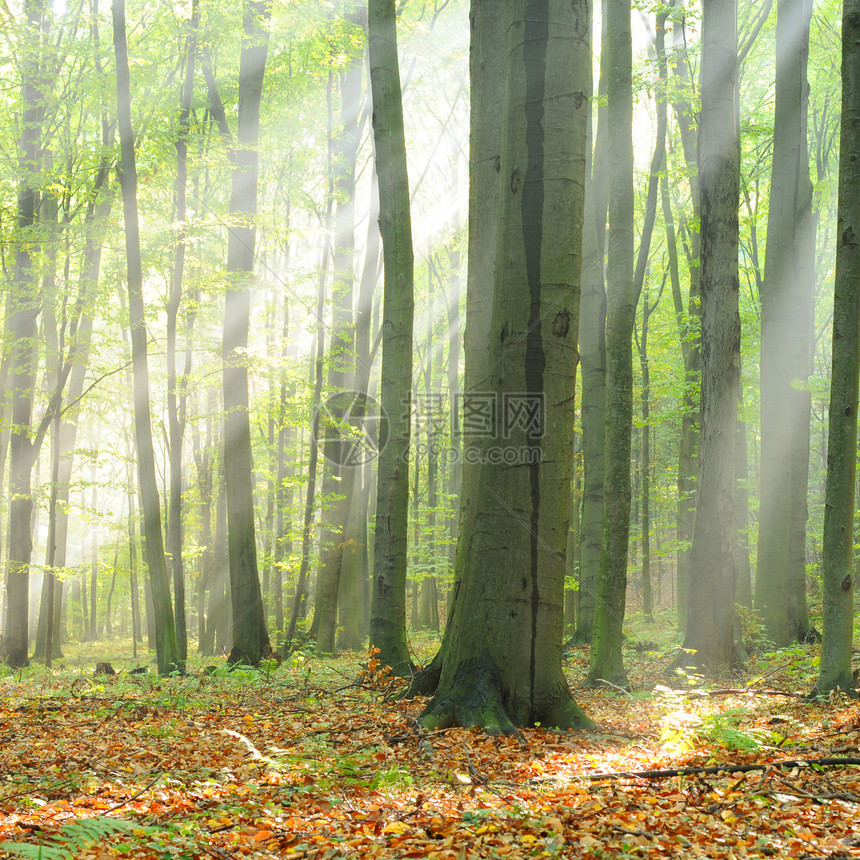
column 502, row 662
column 339, row 479
column 177, row 381
column 839, row 511
column 167, row 651
column 786, row 343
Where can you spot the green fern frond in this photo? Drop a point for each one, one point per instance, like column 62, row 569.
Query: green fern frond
column 74, row 837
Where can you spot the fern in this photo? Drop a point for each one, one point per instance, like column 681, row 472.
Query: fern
column 75, row 837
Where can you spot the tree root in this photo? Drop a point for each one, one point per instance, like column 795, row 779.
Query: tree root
column 474, row 698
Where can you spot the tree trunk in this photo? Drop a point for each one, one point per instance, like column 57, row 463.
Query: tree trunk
column 339, row 477
column 250, row 638
column 486, row 78
column 837, row 563
column 786, row 343
column 710, row 635
column 354, row 562
column 592, row 354
column 65, row 426
column 689, row 321
column 176, row 386
column 388, row 608
column 166, row 648
column 502, row 665
column 22, row 312
column 94, row 550
column 743, row 591
column 645, row 467
column 606, row 658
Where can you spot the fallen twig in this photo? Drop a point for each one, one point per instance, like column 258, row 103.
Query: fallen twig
column 668, row 773
column 137, row 794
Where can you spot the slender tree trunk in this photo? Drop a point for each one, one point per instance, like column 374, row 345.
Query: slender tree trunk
column 837, row 563
column 645, row 467
column 175, row 386
column 283, row 493
column 136, row 627
column 606, row 659
column 167, row 651
column 689, row 321
column 743, row 592
column 22, row 313
column 339, row 477
column 94, row 550
column 300, row 598
column 592, row 353
column 64, row 427
column 354, row 563
column 388, row 609
column 710, row 635
column 250, row 638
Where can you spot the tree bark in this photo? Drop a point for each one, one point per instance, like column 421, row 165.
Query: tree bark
column 592, row 354
column 502, row 664
column 176, row 384
column 837, row 562
column 710, row 634
column 250, row 637
column 689, row 320
column 338, row 477
column 22, row 312
column 388, row 607
column 606, row 658
column 166, row 648
column 786, row 343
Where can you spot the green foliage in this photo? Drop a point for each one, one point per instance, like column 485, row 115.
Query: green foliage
column 752, row 629
column 78, row 836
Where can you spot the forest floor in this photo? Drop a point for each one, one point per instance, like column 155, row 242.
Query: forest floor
column 317, row 759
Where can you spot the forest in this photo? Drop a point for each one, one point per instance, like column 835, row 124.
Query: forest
column 429, row 428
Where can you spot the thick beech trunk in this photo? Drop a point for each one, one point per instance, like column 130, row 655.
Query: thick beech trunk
column 502, row 662
column 710, row 634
